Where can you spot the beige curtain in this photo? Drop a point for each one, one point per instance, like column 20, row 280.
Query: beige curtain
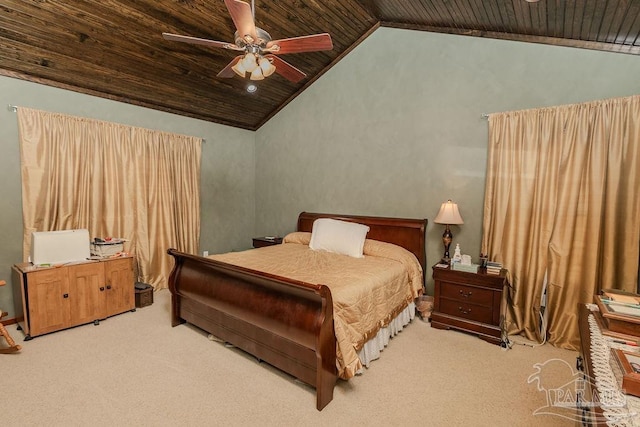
column 562, row 200
column 114, row 180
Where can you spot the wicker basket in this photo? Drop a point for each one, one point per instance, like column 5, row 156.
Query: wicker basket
column 144, row 297
column 424, row 305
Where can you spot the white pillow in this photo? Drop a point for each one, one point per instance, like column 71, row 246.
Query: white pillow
column 341, row 237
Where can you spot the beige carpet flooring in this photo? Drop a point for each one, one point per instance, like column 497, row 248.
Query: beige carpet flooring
column 136, row 370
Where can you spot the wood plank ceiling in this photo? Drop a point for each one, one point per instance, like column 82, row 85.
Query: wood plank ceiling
column 114, row 48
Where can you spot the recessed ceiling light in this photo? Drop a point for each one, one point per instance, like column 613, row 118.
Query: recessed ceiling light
column 251, row 88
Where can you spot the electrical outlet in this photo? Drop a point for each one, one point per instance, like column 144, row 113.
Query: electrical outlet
column 205, row 253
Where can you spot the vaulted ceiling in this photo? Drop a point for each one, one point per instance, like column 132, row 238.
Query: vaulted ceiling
column 114, row 48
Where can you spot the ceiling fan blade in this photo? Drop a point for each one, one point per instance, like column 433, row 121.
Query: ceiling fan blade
column 227, row 72
column 196, row 40
column 286, row 70
column 313, row 43
column 242, row 18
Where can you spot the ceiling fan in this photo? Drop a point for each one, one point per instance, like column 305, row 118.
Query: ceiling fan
column 259, row 58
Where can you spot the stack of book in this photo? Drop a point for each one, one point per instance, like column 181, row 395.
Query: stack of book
column 494, row 267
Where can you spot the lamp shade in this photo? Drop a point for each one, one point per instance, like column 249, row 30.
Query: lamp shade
column 249, row 62
column 239, row 69
column 256, row 74
column 448, row 214
column 267, row 67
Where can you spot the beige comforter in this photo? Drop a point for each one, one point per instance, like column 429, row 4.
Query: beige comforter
column 367, row 292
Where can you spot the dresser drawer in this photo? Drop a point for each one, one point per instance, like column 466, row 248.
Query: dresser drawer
column 467, row 294
column 467, row 311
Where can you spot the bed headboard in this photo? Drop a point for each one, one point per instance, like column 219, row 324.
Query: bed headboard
column 408, row 233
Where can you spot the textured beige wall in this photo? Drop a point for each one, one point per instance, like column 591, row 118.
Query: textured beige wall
column 227, row 176
column 395, row 128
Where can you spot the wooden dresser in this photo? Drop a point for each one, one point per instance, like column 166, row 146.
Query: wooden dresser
column 468, row 302
column 49, row 299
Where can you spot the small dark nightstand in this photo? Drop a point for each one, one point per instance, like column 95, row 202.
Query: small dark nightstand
column 469, row 302
column 259, row 242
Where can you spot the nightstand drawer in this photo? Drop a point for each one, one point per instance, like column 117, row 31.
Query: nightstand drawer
column 467, row 294
column 467, row 311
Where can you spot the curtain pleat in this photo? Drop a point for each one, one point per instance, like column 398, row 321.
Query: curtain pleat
column 561, row 198
column 114, row 180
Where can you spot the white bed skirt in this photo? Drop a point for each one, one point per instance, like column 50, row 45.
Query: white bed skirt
column 372, row 348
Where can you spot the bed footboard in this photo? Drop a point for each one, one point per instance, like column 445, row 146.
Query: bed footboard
column 287, row 323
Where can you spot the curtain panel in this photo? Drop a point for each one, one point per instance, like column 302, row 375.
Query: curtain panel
column 114, row 180
column 561, row 204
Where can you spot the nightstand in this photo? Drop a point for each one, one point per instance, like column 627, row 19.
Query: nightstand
column 469, row 302
column 259, row 242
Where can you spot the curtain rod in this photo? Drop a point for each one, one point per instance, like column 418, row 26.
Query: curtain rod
column 14, row 109
column 485, row 116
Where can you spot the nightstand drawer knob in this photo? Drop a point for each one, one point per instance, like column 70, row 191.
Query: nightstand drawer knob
column 465, row 294
column 463, row 311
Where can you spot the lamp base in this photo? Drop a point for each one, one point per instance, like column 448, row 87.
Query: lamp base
column 447, row 237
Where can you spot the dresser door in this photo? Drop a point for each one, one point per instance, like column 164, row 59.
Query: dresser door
column 120, row 292
column 86, row 293
column 48, row 296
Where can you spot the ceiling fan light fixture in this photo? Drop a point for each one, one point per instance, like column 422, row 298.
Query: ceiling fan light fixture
column 266, row 66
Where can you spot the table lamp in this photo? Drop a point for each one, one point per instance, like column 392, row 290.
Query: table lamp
column 448, row 215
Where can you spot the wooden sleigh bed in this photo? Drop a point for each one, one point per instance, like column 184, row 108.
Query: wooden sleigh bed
column 285, row 322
